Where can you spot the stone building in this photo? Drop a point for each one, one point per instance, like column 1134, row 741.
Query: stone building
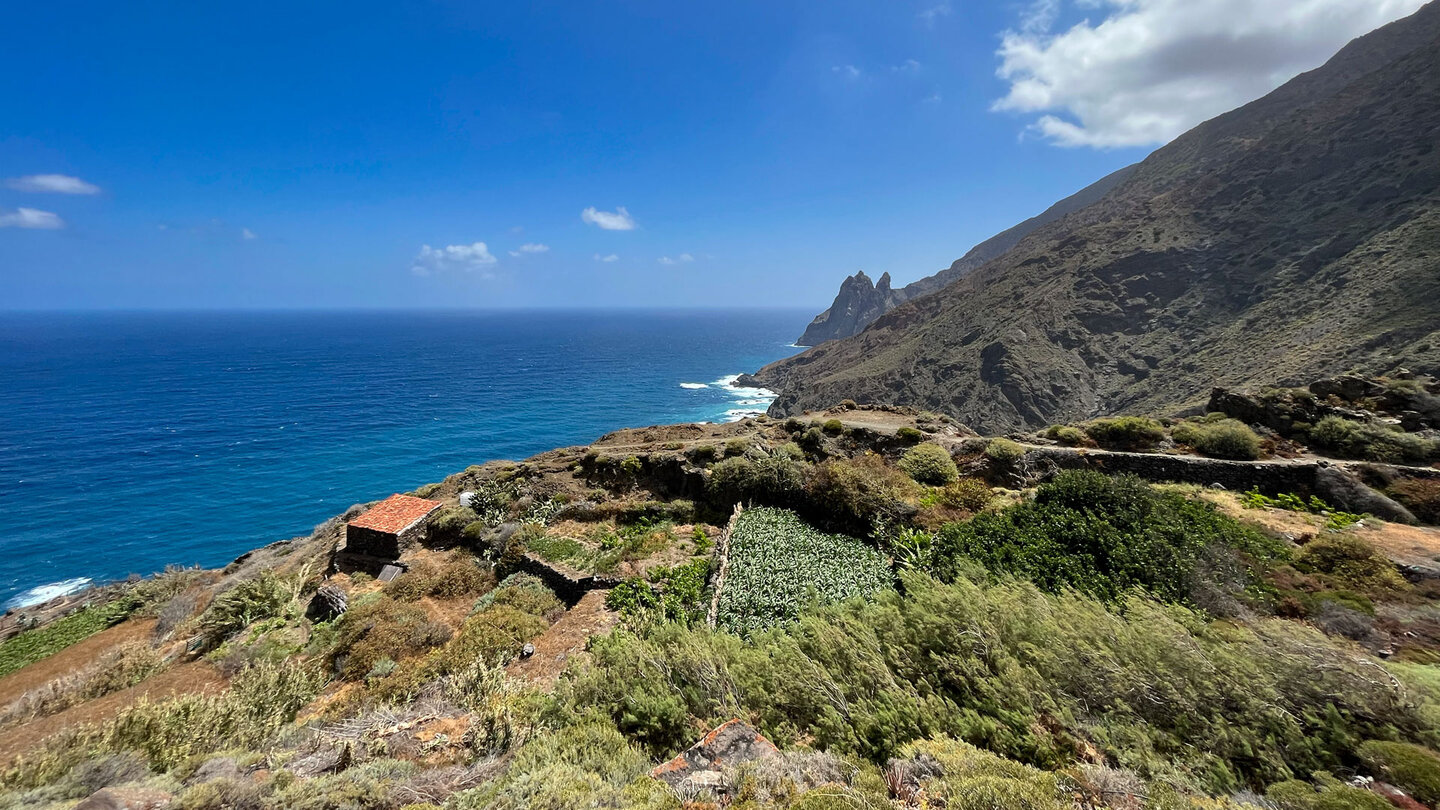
column 385, row 530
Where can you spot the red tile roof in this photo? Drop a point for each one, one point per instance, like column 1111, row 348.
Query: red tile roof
column 395, row 514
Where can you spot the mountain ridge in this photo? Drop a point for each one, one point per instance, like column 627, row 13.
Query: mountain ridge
column 1293, row 237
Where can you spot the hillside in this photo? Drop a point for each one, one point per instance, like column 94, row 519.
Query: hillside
column 860, row 301
column 1293, row 237
column 873, row 607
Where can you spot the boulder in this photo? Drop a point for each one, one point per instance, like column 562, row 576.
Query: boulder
column 731, row 744
column 126, row 798
column 328, row 603
column 1344, row 491
column 1347, row 387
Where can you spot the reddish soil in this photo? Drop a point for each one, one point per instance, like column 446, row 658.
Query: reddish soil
column 192, row 677
column 75, row 657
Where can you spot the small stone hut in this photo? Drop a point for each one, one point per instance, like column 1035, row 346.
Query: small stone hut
column 388, row 527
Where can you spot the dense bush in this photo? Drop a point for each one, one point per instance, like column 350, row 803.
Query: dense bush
column 665, row 594
column 1004, row 451
column 449, row 522
column 909, row 435
column 585, row 765
column 930, row 464
column 382, row 628
column 774, row 479
column 849, row 495
column 1101, row 535
column 1126, row 433
column 1370, row 441
column 265, row 596
column 778, row 565
column 1330, row 794
column 969, row 494
column 1412, row 768
column 1223, row 438
column 461, row 574
column 1067, row 435
column 1348, row 562
column 833, row 426
column 1032, row 676
column 963, row 777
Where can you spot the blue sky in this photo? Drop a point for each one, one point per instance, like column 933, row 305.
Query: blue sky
column 443, row 154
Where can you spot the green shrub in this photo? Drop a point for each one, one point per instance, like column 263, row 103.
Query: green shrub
column 970, row 494
column 774, row 479
column 1225, row 438
column 449, row 522
column 930, row 464
column 1101, row 535
column 833, row 426
column 1412, row 768
column 909, row 435
column 1004, row 451
column 580, row 766
column 33, row 645
column 849, row 495
column 964, row 777
column 1126, row 432
column 1350, row 563
column 1331, row 795
column 1067, row 435
column 703, row 454
column 461, row 574
column 1370, row 441
column 382, row 628
column 265, row 596
column 778, row 564
column 1156, row 688
column 671, row 594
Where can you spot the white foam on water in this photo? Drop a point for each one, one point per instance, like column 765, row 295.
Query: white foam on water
column 44, row 593
column 694, row 385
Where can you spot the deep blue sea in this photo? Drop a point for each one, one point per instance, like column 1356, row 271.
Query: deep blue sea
column 136, row 440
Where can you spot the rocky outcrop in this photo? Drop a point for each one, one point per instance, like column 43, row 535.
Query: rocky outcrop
column 701, row 766
column 856, row 307
column 1281, row 242
column 859, row 302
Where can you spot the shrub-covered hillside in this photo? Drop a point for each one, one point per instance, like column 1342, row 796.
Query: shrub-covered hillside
column 913, row 615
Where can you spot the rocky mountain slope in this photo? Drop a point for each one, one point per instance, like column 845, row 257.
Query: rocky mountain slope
column 1294, row 237
column 860, row 301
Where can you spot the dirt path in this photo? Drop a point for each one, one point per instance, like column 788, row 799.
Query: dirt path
column 558, row 646
column 195, row 676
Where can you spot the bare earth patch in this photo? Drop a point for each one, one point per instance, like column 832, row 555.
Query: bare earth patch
column 565, row 640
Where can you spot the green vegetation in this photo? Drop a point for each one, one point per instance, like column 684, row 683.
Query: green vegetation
column 778, row 564
column 459, row 575
column 833, row 426
column 1100, row 535
column 33, row 645
column 1025, row 674
column 1004, row 451
column 1411, row 767
column 1335, row 519
column 969, row 494
column 675, row 594
column 265, row 596
column 909, row 435
column 1346, row 562
column 930, row 464
column 1067, row 435
column 1126, row 433
column 1370, row 441
column 1220, row 438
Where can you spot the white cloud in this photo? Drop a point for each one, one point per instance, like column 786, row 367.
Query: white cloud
column 246, row 233
column 531, row 247
column 1148, row 70
column 686, row 257
column 933, row 98
column 607, row 259
column 847, row 71
column 666, row 260
column 931, row 14
column 617, row 220
column 52, row 184
column 32, row 219
column 466, row 258
column 908, row 66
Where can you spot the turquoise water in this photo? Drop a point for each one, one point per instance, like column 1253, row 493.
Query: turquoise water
column 132, row 441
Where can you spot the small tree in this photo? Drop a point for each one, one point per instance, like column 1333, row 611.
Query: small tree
column 930, row 464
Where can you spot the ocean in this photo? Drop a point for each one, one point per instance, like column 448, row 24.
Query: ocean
column 132, row 441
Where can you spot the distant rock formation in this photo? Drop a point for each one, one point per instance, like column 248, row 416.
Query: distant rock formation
column 859, row 302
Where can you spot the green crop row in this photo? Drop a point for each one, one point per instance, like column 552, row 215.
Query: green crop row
column 779, row 564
